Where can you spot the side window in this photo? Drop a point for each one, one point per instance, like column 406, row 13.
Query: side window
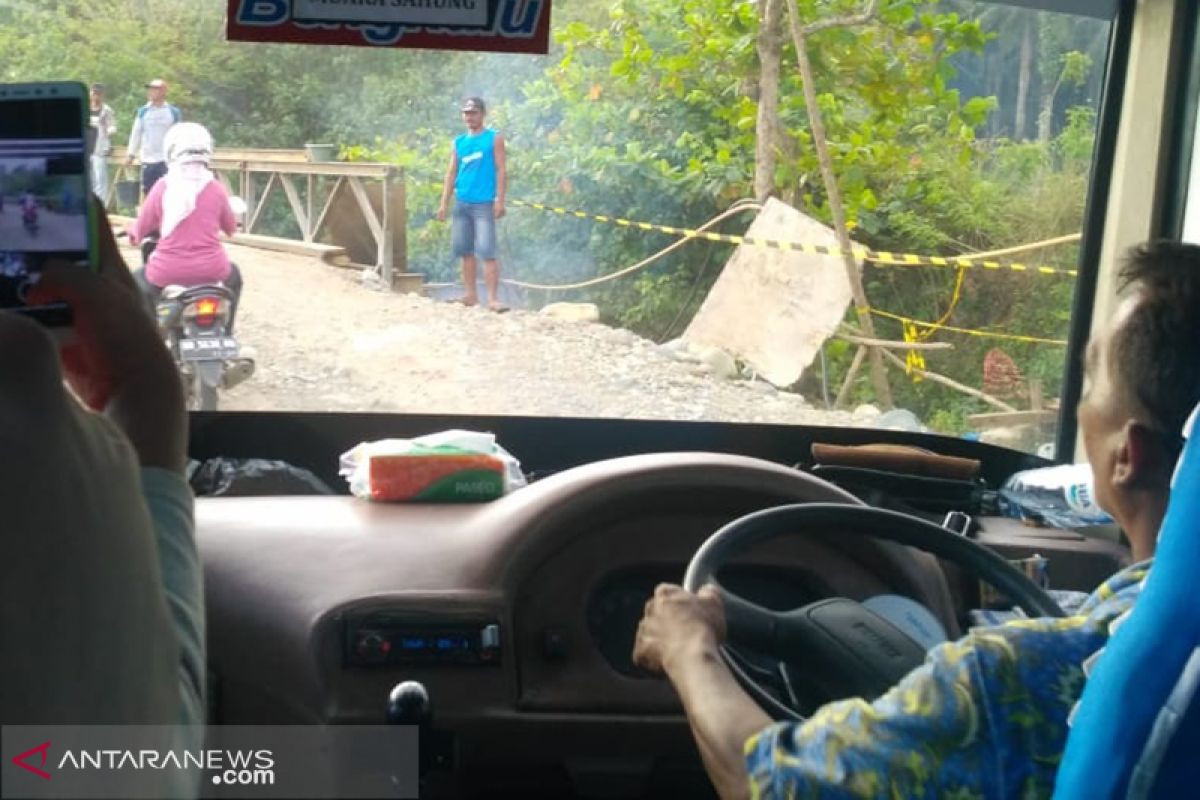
column 1191, row 207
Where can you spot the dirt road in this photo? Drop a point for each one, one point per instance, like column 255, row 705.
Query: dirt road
column 324, row 342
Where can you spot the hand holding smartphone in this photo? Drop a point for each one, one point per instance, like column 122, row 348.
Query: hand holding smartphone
column 45, row 209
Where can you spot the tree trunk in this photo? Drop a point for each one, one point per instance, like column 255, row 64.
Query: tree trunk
column 768, row 131
column 995, row 88
column 1046, row 117
column 1024, row 78
column 883, row 391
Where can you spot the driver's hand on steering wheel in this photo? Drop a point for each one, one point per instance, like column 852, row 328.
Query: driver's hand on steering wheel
column 679, row 626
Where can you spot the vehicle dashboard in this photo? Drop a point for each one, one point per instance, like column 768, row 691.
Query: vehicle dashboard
column 518, row 615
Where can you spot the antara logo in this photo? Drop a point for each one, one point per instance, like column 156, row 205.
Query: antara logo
column 42, row 749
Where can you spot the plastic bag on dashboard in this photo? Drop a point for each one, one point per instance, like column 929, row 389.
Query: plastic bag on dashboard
column 447, row 467
column 247, row 477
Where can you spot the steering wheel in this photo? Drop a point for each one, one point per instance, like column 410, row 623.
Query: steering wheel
column 836, row 647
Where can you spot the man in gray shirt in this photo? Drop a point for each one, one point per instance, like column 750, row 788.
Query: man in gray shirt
column 102, row 125
column 150, row 127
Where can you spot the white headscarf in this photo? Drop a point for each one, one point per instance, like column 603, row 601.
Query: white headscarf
column 189, row 149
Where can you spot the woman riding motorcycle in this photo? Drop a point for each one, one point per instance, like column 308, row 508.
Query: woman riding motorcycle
column 188, row 209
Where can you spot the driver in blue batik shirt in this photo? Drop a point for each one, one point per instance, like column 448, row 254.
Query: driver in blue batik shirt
column 986, row 716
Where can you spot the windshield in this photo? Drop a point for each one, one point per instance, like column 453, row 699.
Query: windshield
column 948, row 144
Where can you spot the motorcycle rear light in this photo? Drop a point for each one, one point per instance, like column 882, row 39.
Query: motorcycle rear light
column 204, row 311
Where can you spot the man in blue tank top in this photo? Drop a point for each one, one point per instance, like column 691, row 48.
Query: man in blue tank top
column 477, row 177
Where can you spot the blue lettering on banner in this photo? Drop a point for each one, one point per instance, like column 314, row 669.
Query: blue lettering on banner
column 383, row 34
column 512, row 27
column 319, row 26
column 263, row 12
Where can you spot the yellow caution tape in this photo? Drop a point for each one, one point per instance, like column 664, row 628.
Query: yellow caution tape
column 914, row 362
column 968, row 331
column 879, row 258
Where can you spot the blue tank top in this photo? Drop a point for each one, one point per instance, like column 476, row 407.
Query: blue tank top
column 476, row 181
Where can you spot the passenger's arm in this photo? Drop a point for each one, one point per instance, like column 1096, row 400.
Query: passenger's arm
column 169, row 500
column 117, row 365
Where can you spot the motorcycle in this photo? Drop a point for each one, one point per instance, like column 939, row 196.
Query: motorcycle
column 29, row 217
column 195, row 323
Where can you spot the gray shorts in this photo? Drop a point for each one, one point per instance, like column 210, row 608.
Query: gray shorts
column 473, row 230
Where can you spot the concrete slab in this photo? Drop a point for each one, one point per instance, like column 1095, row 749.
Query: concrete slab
column 773, row 308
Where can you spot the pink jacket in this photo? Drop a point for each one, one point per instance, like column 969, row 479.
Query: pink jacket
column 192, row 254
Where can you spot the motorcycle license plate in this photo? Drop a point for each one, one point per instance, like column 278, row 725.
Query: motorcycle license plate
column 216, row 348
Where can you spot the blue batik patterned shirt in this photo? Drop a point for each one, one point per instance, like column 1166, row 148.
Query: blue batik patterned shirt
column 984, row 717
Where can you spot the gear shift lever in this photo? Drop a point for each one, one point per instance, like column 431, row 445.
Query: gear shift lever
column 408, row 704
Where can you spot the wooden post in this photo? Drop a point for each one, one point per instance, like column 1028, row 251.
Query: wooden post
column 248, row 196
column 386, row 260
column 400, row 212
column 297, row 206
column 883, row 392
column 865, row 342
column 844, row 393
column 1036, row 401
column 311, row 233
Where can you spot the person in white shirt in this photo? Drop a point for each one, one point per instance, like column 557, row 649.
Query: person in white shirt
column 150, row 128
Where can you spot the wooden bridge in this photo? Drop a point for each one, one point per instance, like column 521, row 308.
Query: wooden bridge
column 349, row 214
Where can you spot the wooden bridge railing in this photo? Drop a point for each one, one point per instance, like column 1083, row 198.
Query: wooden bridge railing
column 255, row 174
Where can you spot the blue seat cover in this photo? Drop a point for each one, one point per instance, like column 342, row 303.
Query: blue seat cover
column 1136, row 731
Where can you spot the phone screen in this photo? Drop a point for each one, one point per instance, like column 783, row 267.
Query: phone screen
column 44, row 203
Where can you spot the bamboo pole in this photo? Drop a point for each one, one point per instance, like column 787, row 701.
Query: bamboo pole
column 883, row 392
column 865, row 342
column 844, row 393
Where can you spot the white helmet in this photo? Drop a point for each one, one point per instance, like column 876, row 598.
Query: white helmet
column 188, row 143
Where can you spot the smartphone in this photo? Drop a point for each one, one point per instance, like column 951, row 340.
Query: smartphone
column 45, row 208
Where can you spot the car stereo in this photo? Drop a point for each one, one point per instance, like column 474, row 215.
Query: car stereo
column 385, row 640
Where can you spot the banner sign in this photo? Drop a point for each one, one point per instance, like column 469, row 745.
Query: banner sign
column 505, row 26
